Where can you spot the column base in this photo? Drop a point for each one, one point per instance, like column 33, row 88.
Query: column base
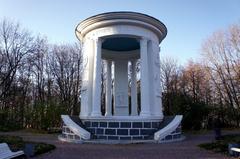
column 134, row 114
column 145, row 113
column 84, row 114
column 158, row 114
column 108, row 114
column 96, row 114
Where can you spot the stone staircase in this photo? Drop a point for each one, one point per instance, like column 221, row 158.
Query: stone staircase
column 73, row 131
column 170, row 130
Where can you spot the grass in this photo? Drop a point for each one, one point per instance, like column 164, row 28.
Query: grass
column 16, row 143
column 9, row 128
column 41, row 148
column 196, row 132
column 53, row 130
column 221, row 146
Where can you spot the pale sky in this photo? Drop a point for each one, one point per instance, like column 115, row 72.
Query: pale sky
column 189, row 22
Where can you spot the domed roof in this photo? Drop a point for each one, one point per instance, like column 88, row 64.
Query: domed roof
column 128, row 18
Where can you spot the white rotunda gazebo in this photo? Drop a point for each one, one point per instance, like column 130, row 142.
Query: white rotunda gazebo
column 113, row 43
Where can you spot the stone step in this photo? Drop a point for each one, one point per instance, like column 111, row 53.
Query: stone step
column 121, row 131
column 73, row 130
column 101, row 141
column 77, row 120
column 166, row 121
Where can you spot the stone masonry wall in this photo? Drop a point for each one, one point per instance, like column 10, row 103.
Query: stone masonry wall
column 122, row 130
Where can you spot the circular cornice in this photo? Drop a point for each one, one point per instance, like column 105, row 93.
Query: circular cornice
column 118, row 18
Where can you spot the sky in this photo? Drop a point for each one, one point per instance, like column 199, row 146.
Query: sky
column 189, row 22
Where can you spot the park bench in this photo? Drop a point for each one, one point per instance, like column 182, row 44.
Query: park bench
column 6, row 153
column 236, row 150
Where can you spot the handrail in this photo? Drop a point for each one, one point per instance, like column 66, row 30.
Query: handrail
column 75, row 128
column 162, row 133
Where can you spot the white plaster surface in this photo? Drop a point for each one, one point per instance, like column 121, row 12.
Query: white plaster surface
column 76, row 129
column 162, row 133
column 149, row 33
column 121, row 88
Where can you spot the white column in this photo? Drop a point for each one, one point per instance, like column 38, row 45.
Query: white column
column 108, row 94
column 157, row 109
column 145, row 104
column 96, row 100
column 133, row 89
column 86, row 90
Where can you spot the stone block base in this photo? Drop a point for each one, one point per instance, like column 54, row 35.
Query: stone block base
column 121, row 130
column 174, row 136
column 68, row 135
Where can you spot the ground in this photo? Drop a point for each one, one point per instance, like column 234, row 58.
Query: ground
column 186, row 149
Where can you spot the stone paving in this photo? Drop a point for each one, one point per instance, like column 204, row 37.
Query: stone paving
column 186, row 149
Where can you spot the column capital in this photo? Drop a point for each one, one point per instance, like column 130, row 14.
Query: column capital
column 144, row 40
column 109, row 60
column 133, row 60
column 98, row 40
column 87, row 38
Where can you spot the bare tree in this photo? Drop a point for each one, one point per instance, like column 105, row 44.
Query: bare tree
column 66, row 66
column 15, row 44
column 222, row 56
column 169, row 77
